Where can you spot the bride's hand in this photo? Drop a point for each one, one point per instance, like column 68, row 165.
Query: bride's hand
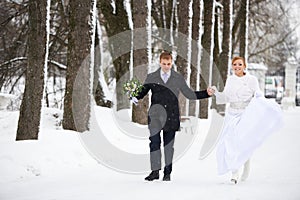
column 210, row 91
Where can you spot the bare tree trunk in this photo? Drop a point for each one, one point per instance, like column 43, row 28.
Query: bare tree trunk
column 77, row 94
column 235, row 28
column 239, row 29
column 195, row 50
column 225, row 55
column 117, row 23
column 216, row 52
column 140, row 57
column 182, row 46
column 163, row 13
column 97, row 87
column 206, row 53
column 243, row 28
column 30, row 112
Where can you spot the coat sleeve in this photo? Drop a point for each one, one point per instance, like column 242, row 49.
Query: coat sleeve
column 189, row 93
column 223, row 97
column 220, row 96
column 255, row 87
column 145, row 89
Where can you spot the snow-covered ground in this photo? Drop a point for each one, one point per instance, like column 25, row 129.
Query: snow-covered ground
column 57, row 166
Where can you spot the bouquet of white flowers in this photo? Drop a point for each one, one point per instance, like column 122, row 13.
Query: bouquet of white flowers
column 132, row 87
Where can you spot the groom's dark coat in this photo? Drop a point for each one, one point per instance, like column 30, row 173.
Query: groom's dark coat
column 164, row 110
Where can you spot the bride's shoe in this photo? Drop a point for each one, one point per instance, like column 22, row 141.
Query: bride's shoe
column 235, row 177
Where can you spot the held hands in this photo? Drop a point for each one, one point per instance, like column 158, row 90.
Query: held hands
column 211, row 90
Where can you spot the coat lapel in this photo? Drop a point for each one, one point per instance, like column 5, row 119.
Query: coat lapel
column 159, row 80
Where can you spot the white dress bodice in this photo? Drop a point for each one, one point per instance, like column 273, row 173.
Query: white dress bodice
column 238, row 91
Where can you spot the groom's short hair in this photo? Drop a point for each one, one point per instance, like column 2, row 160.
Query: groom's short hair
column 165, row 55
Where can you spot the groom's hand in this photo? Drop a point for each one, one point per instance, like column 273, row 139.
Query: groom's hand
column 210, row 91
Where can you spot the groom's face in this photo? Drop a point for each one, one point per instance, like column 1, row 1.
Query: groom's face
column 166, row 64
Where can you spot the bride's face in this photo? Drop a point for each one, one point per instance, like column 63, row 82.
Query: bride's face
column 238, row 67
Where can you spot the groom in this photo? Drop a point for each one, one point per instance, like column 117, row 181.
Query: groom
column 165, row 85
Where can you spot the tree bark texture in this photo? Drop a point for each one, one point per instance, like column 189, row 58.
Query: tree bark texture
column 116, row 23
column 77, row 94
column 194, row 53
column 182, row 47
column 243, row 29
column 140, row 57
column 206, row 42
column 30, row 111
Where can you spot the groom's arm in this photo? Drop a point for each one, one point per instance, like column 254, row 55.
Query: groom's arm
column 191, row 94
column 145, row 89
column 202, row 94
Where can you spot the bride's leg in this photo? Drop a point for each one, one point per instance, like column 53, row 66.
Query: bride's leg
column 246, row 170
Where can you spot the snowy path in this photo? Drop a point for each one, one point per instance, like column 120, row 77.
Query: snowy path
column 58, row 167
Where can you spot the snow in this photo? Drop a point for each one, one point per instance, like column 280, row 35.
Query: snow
column 46, row 53
column 129, row 13
column 60, row 65
column 57, row 166
column 256, row 66
column 13, row 60
column 9, row 96
column 5, row 100
column 294, row 16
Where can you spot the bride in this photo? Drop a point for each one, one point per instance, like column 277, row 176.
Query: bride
column 249, row 119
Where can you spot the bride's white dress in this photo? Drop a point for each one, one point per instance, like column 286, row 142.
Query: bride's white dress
column 249, row 120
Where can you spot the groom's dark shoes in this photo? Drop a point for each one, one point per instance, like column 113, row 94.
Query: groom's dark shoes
column 152, row 176
column 167, row 177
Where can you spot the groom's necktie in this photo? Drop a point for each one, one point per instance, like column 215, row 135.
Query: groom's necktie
column 165, row 77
